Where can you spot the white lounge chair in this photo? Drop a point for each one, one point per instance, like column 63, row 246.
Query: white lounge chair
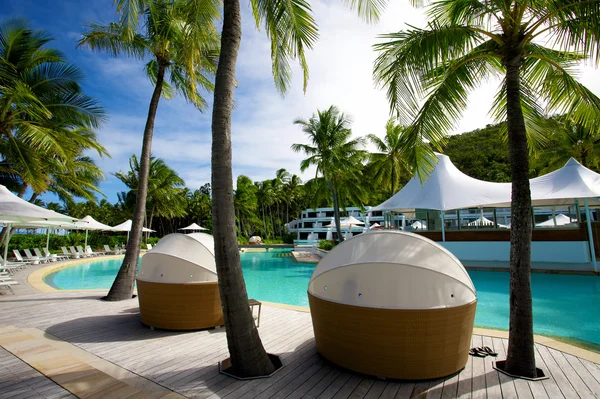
column 149, row 246
column 107, row 250
column 48, row 258
column 67, row 253
column 85, row 253
column 56, row 256
column 90, row 251
column 30, row 260
column 12, row 266
column 30, row 256
column 77, row 253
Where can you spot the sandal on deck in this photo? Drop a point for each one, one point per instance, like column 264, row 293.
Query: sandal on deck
column 488, row 351
column 477, row 352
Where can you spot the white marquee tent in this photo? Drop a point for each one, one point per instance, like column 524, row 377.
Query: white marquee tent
column 126, row 226
column 347, row 222
column 89, row 223
column 180, row 259
column 558, row 220
column 481, row 221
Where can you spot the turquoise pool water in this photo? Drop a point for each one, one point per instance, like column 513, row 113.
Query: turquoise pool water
column 564, row 305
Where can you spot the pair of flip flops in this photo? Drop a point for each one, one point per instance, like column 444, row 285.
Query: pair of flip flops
column 482, row 351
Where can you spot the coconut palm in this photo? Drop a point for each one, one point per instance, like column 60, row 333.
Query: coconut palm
column 336, row 157
column 43, row 111
column 389, row 163
column 533, row 46
column 179, row 40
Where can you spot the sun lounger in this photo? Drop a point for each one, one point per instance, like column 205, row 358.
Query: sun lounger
column 85, row 253
column 107, row 250
column 55, row 256
column 38, row 253
column 77, row 253
column 30, row 256
column 149, row 246
column 31, row 260
column 89, row 251
column 67, row 253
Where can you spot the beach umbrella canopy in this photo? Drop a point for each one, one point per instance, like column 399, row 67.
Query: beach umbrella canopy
column 89, row 223
column 347, row 222
column 193, row 226
column 16, row 210
column 126, row 226
column 418, row 225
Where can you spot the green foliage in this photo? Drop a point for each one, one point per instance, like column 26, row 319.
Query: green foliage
column 288, row 238
column 95, row 240
column 326, row 245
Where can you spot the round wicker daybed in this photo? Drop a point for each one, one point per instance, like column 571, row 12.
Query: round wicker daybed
column 394, row 305
column 177, row 284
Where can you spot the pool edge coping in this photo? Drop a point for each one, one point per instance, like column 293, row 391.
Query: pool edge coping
column 36, row 278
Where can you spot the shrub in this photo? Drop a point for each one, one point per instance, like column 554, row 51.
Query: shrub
column 242, row 240
column 289, row 238
column 326, row 245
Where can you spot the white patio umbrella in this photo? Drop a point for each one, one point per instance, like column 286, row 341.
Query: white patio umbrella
column 193, row 227
column 418, row 225
column 347, row 223
column 89, row 223
column 16, row 210
column 48, row 225
column 126, row 226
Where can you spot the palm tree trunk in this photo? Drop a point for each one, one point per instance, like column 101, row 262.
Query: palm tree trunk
column 264, row 220
column 122, row 287
column 272, row 221
column 33, row 197
column 336, row 211
column 520, row 359
column 248, row 356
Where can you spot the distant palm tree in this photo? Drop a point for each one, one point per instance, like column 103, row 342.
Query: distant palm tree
column 165, row 197
column 389, row 163
column 533, row 46
column 179, row 39
column 336, row 157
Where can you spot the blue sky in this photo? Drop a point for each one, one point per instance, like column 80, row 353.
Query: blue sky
column 262, row 131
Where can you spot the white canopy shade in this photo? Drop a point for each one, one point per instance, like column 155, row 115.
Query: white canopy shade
column 180, row 259
column 54, row 224
column 347, row 222
column 126, row 226
column 561, row 220
column 16, row 210
column 447, row 188
column 481, row 221
column 89, row 223
column 392, row 270
column 193, row 226
column 255, row 239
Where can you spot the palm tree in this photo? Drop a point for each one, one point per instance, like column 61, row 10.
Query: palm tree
column 165, row 189
column 430, row 72
column 389, row 163
column 179, row 39
column 336, row 157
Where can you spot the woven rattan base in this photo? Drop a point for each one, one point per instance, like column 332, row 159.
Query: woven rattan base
column 180, row 306
column 399, row 344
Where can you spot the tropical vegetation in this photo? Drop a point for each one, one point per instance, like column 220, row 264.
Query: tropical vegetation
column 533, row 46
column 181, row 45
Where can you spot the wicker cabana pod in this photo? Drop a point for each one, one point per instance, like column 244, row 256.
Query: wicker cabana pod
column 394, row 305
column 177, row 284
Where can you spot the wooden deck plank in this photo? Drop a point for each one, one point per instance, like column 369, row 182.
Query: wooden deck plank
column 592, row 368
column 507, row 385
column 583, row 373
column 361, row 389
column 465, row 380
column 319, row 388
column 576, row 382
column 492, row 380
column 478, row 384
column 450, row 387
column 551, row 388
column 557, row 373
column 522, row 388
column 335, row 385
column 435, row 388
column 376, row 389
column 349, row 386
column 406, row 390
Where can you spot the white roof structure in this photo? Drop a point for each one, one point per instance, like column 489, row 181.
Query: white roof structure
column 126, row 226
column 447, row 188
column 481, row 221
column 193, row 226
column 418, row 225
column 392, row 270
column 565, row 184
column 179, row 259
column 347, row 222
column 16, row 210
column 53, row 224
column 89, row 223
column 561, row 220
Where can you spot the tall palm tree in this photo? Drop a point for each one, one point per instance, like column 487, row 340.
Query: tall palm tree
column 389, row 163
column 533, row 46
column 179, row 40
column 291, row 27
column 336, row 157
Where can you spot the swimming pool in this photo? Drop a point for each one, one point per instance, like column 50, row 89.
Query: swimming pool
column 564, row 305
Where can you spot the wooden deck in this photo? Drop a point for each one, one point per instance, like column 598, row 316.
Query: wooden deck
column 186, row 363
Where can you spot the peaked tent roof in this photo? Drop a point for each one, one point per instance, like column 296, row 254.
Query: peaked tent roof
column 481, row 221
column 347, row 222
column 193, row 226
column 89, row 223
column 126, row 226
column 16, row 210
column 563, row 185
column 447, row 188
column 561, row 220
